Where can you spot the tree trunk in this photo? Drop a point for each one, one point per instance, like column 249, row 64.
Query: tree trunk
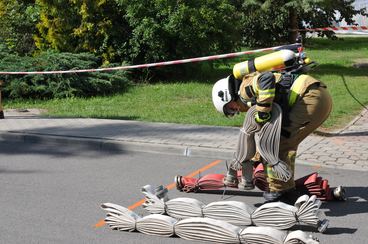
column 293, row 25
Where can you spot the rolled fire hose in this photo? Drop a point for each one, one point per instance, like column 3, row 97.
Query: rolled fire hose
column 268, row 144
column 246, row 147
column 276, row 214
column 199, row 229
column 206, row 182
column 311, row 184
column 267, row 141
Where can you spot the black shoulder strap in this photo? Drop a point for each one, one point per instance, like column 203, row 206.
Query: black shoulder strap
column 287, row 80
column 234, row 86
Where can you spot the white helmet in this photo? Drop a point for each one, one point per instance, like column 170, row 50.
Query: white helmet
column 221, row 94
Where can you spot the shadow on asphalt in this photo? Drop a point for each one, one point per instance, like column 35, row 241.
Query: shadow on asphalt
column 230, row 193
column 329, row 231
column 12, row 171
column 356, row 203
column 127, row 129
column 57, row 150
column 340, row 230
column 112, row 117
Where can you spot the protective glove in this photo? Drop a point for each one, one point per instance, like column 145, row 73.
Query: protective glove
column 262, row 117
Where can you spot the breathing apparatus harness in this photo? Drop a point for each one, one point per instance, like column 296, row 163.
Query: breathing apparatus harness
column 234, row 85
column 292, row 65
column 301, row 66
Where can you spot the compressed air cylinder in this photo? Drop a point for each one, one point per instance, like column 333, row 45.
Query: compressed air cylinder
column 272, row 61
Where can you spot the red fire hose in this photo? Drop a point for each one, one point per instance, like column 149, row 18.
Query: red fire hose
column 313, row 184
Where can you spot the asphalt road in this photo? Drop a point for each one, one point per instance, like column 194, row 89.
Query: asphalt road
column 52, row 194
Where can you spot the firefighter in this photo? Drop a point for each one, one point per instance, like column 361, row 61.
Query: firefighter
column 305, row 104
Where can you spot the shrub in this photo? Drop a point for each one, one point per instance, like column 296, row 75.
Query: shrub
column 140, row 31
column 59, row 85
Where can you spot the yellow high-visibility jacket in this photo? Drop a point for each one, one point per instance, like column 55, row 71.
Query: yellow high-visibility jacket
column 262, row 86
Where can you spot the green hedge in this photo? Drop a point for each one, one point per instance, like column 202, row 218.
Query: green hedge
column 59, row 85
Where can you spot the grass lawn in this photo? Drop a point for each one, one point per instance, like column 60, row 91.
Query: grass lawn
column 190, row 102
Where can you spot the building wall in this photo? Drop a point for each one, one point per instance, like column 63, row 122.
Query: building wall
column 359, row 4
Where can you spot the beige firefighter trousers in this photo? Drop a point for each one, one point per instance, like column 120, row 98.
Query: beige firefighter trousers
column 307, row 114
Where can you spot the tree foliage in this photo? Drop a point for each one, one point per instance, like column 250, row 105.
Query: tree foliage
column 271, row 21
column 145, row 31
column 18, row 19
column 139, row 31
column 98, row 27
column 151, row 30
column 59, row 85
column 164, row 29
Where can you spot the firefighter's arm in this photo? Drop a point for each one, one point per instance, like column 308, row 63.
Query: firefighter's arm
column 266, row 94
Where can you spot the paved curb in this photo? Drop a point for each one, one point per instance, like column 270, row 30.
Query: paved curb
column 346, row 148
column 117, row 145
column 338, row 132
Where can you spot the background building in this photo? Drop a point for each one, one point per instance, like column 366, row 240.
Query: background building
column 359, row 4
column 360, row 20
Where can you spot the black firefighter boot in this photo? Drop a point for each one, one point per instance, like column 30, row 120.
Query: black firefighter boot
column 288, row 196
column 231, row 178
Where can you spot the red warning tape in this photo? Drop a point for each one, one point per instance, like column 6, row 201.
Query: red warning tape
column 140, row 66
column 333, row 28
